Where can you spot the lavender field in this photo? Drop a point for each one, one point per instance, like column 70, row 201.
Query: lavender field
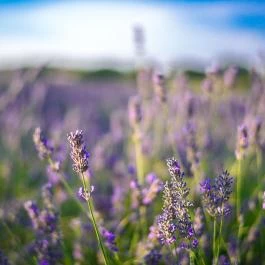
column 145, row 169
column 141, row 149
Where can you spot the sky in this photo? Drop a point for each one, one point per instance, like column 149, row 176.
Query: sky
column 79, row 33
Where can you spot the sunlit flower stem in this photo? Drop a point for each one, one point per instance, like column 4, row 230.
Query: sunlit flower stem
column 138, row 156
column 87, row 187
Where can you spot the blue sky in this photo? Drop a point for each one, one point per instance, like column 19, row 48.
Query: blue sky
column 35, row 31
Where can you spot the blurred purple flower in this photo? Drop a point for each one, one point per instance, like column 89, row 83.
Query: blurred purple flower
column 215, row 197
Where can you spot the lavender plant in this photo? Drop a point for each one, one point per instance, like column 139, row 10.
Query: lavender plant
column 80, row 157
column 48, row 240
column 215, row 200
column 175, row 218
column 222, row 129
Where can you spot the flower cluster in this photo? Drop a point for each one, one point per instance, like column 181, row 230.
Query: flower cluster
column 215, row 196
column 175, row 215
column 47, row 245
column 145, row 195
column 109, row 238
column 153, row 257
column 78, row 153
column 84, row 194
column 41, row 144
column 192, row 150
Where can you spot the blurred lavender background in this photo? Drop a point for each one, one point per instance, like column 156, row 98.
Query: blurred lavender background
column 85, row 51
column 69, row 64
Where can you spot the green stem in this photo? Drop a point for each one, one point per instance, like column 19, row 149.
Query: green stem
column 214, row 241
column 258, row 159
column 90, row 207
column 192, row 262
column 219, row 237
column 160, row 128
column 238, row 199
column 139, row 156
column 142, row 219
column 140, row 174
column 89, row 203
column 239, row 216
column 201, row 257
column 172, row 252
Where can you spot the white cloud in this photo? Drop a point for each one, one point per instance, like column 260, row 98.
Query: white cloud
column 83, row 30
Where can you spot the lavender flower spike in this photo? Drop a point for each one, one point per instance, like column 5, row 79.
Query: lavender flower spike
column 84, row 194
column 78, row 154
column 109, row 238
column 41, row 144
column 242, row 142
column 175, row 215
column 47, row 245
column 215, row 196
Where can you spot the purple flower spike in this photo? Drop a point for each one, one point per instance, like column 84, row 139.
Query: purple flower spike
column 206, row 185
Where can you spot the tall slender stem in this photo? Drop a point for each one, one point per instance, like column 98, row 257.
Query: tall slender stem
column 240, row 219
column 90, row 207
column 238, row 199
column 201, row 257
column 140, row 173
column 191, row 258
column 139, row 156
column 214, row 241
column 219, row 236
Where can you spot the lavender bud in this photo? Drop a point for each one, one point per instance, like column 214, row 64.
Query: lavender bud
column 199, row 222
column 47, row 195
column 223, row 260
column 150, row 193
column 136, row 193
column 47, row 244
column 153, row 257
column 109, row 239
column 166, row 229
column 41, row 144
column 85, row 195
column 135, row 111
column 79, row 154
column 242, row 142
column 33, row 212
